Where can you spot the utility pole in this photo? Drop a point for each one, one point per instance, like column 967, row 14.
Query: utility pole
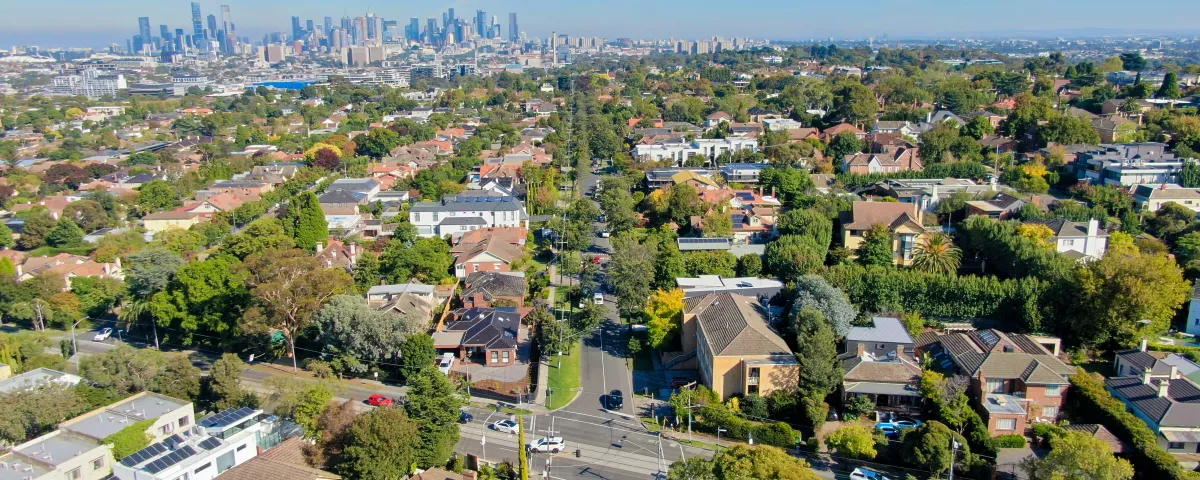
column 953, row 455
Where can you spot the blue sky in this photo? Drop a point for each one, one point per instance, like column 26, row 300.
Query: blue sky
column 97, row 22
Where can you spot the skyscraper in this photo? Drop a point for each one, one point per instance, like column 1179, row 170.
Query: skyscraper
column 449, row 17
column 309, row 27
column 329, row 26
column 228, row 29
column 296, row 32
column 144, row 29
column 481, row 24
column 414, row 29
column 514, row 33
column 197, row 21
column 212, row 27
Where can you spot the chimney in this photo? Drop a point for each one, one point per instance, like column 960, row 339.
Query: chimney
column 352, row 249
column 1093, row 227
column 1143, row 344
column 1146, row 377
column 320, row 246
column 1164, row 386
column 20, row 270
column 1174, row 372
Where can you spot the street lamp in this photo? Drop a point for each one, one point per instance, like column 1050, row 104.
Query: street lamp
column 74, row 344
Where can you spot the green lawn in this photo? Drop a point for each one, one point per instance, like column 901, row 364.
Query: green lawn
column 562, row 380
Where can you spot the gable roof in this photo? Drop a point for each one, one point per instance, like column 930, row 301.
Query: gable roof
column 734, row 325
column 1098, row 431
column 1179, row 408
column 866, row 214
column 995, row 354
column 495, row 284
column 490, row 328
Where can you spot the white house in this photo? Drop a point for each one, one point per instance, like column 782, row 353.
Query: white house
column 470, row 210
column 215, row 444
column 710, row 148
column 1077, row 239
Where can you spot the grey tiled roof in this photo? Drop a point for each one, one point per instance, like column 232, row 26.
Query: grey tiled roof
column 733, row 325
column 495, row 284
column 487, row 327
column 1180, row 408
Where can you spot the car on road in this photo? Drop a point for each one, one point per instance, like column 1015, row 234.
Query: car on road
column 380, row 401
column 598, row 298
column 614, row 400
column 547, row 444
column 507, row 425
column 861, row 473
column 446, row 362
column 102, row 335
column 465, row 416
column 604, row 234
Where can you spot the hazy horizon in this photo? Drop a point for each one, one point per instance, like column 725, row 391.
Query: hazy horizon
column 96, row 24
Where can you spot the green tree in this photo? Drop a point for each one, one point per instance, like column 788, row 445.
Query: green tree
column 377, row 143
column 807, row 222
column 259, row 236
column 683, row 203
column 1076, row 455
column 845, row 143
column 434, row 401
column 348, row 325
column 522, row 459
column 928, row 446
column 629, row 269
column 305, row 222
column 816, row 350
column 792, row 256
column 1067, row 130
column 416, row 352
column 124, row 369
column 130, row 439
column 1116, row 293
column 150, row 271
column 1170, row 86
column 88, row 214
column 178, row 379
column 759, row 462
column 157, row 195
column 1133, row 61
column 936, row 253
column 65, row 234
column 855, row 103
column 381, row 445
column 876, row 247
column 853, row 441
column 224, row 388
column 978, row 127
column 664, row 317
column 749, row 265
column 38, row 225
column 816, row 293
column 204, row 299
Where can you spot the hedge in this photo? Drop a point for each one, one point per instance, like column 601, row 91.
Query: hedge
column 879, row 289
column 934, row 170
column 1192, row 352
column 1012, row 440
column 1089, row 402
column 714, row 416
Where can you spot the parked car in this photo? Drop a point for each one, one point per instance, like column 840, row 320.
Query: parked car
column 598, row 298
column 380, row 401
column 547, row 444
column 507, row 425
column 605, row 234
column 614, row 400
column 446, row 362
column 679, row 382
column 103, row 334
column 888, row 429
column 904, row 423
column 861, row 473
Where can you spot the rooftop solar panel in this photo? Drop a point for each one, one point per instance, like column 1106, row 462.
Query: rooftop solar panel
column 210, row 443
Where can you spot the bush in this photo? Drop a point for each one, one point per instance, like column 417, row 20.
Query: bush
column 1012, row 440
column 715, row 415
column 1091, row 403
column 1192, row 352
column 130, row 439
column 858, row 406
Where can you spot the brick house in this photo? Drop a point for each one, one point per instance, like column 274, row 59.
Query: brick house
column 904, row 220
column 484, row 289
column 488, row 335
column 1013, row 379
column 495, row 256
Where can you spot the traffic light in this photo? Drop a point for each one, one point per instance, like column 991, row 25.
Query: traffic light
column 577, row 453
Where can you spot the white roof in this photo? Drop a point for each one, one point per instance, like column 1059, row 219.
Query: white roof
column 885, row 329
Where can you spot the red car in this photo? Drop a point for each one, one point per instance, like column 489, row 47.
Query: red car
column 379, row 401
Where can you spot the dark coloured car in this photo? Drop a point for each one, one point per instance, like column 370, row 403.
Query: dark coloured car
column 615, row 400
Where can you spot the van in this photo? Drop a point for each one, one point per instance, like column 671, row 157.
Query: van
column 598, row 298
column 446, row 362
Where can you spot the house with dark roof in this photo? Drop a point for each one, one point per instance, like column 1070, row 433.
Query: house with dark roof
column 1014, row 378
column 878, row 363
column 1169, row 404
column 1078, row 240
column 1001, row 206
column 904, row 220
column 484, row 289
column 1133, row 362
column 737, row 351
column 488, row 336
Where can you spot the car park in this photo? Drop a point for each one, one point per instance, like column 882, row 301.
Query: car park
column 507, row 425
column 103, row 334
column 547, row 444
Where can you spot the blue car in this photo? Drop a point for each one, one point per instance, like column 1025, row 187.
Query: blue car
column 888, row 429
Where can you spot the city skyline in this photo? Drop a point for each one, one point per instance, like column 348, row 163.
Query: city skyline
column 92, row 25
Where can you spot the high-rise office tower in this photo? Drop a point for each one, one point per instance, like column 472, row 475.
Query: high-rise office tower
column 481, row 23
column 431, row 31
column 449, row 17
column 227, row 27
column 212, row 27
column 308, row 27
column 164, row 33
column 296, row 32
column 144, row 29
column 197, row 21
column 329, row 26
column 414, row 29
column 178, row 40
column 514, row 33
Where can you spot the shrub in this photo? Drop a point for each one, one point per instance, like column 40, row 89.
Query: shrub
column 1090, row 402
column 130, row 439
column 1012, row 440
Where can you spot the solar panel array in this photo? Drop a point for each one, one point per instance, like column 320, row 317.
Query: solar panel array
column 989, row 337
column 703, row 240
column 226, row 418
column 170, row 459
column 747, row 196
column 143, row 455
column 210, row 443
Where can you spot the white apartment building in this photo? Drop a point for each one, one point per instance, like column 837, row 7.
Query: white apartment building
column 709, row 148
column 57, row 455
column 215, row 444
column 470, row 210
column 89, row 83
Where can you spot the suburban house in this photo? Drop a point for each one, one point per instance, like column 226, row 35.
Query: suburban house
column 1128, row 164
column 68, row 266
column 487, row 336
column 1098, row 431
column 751, row 225
column 336, row 253
column 457, row 214
column 1077, row 239
column 904, row 220
column 511, row 235
column 694, row 180
column 878, row 363
column 485, row 289
column 1167, row 403
column 1150, row 198
column 33, row 379
column 1001, row 206
column 761, row 288
column 736, row 349
column 406, row 298
column 491, row 256
column 162, row 221
column 1133, row 362
column 891, row 160
column 745, row 173
column 1014, row 378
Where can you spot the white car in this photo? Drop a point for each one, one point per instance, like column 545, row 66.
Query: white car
column 867, row 474
column 547, row 444
column 598, row 298
column 103, row 335
column 507, row 425
column 446, row 362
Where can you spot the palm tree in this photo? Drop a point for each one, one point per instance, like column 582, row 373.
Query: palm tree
column 936, row 253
